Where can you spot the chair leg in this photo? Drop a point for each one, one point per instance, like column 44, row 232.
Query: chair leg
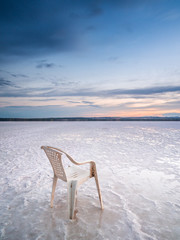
column 72, row 190
column 53, row 190
column 98, row 188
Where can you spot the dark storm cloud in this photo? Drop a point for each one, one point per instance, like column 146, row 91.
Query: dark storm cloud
column 4, row 82
column 15, row 75
column 113, row 59
column 90, row 28
column 40, row 26
column 45, row 65
column 95, row 11
column 35, row 27
column 18, row 75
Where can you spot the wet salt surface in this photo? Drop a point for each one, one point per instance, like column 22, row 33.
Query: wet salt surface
column 138, row 165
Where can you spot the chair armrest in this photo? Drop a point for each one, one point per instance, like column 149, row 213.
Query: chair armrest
column 92, row 166
column 82, row 163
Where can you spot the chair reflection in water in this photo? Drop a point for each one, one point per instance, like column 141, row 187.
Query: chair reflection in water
column 73, row 175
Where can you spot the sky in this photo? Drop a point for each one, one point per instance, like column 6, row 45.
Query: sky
column 89, row 58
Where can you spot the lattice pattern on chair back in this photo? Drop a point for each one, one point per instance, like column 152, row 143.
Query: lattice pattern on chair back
column 56, row 162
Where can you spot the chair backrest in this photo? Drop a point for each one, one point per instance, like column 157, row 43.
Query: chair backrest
column 55, row 159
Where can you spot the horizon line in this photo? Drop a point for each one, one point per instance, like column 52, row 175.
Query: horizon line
column 145, row 118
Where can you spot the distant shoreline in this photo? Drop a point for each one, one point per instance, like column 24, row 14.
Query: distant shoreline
column 91, row 119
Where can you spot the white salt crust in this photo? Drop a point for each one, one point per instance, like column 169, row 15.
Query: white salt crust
column 139, row 174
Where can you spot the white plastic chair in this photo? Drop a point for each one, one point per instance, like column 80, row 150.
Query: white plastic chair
column 73, row 175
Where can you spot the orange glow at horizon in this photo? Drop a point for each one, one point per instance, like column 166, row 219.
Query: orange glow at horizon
column 134, row 113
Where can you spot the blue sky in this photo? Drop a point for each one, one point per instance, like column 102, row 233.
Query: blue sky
column 89, row 58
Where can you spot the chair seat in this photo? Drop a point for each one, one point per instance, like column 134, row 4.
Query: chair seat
column 77, row 174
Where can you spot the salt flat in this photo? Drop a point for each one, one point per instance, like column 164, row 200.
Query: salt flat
column 139, row 174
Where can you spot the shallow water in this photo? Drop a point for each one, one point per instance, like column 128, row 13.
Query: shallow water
column 139, row 173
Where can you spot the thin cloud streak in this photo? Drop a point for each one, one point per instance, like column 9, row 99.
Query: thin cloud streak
column 116, row 92
column 145, row 91
column 88, row 92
